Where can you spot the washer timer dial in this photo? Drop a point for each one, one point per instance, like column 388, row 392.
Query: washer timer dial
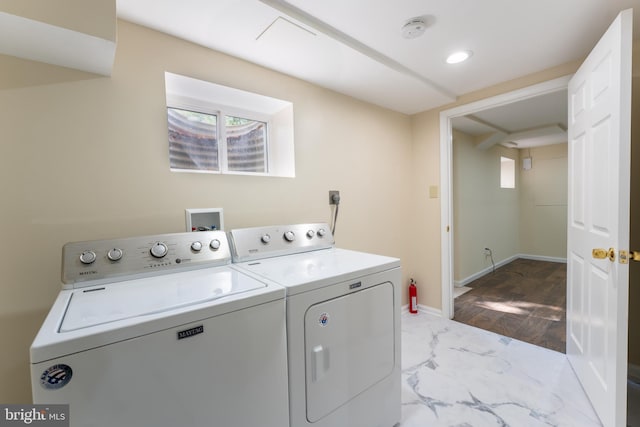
column 158, row 250
column 87, row 257
column 115, row 254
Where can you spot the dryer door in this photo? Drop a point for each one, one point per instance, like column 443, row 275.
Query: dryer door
column 349, row 344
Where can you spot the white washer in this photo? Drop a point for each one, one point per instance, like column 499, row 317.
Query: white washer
column 161, row 331
column 343, row 323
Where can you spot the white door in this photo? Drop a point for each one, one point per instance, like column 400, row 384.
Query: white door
column 599, row 170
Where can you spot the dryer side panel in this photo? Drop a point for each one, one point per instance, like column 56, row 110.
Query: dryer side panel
column 349, row 346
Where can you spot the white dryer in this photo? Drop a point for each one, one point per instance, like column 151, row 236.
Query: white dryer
column 343, row 323
column 161, row 331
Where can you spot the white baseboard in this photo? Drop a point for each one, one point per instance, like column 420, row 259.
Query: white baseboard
column 543, row 258
column 423, row 309
column 484, row 272
column 429, row 310
column 506, row 261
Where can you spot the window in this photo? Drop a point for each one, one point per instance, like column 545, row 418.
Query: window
column 217, row 129
column 246, row 144
column 193, row 140
column 507, row 173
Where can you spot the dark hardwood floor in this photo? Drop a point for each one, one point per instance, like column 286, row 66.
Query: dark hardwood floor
column 524, row 299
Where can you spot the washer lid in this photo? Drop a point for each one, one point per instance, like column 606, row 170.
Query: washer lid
column 108, row 303
column 311, row 270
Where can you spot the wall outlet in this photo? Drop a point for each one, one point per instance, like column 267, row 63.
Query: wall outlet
column 334, row 197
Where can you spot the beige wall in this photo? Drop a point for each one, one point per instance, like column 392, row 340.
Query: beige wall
column 485, row 215
column 87, row 158
column 543, row 202
column 93, row 17
column 424, row 210
column 18, row 72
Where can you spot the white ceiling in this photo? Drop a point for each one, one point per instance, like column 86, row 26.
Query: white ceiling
column 356, row 47
column 530, row 123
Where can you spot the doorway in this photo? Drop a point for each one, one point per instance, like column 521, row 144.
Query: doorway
column 509, row 185
column 446, row 152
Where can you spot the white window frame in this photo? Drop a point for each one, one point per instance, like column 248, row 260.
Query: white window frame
column 221, row 111
column 195, row 109
column 279, row 150
column 222, row 130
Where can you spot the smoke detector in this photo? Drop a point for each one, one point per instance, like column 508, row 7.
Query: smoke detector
column 414, row 28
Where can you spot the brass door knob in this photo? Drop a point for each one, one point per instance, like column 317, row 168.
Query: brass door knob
column 603, row 253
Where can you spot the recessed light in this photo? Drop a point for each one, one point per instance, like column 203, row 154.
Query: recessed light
column 458, row 57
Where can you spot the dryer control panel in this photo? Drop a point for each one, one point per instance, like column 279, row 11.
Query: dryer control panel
column 100, row 261
column 249, row 244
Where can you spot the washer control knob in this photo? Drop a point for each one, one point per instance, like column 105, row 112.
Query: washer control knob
column 196, row 246
column 321, row 232
column 265, row 238
column 87, row 257
column 289, row 236
column 159, row 250
column 115, row 254
column 215, row 244
column 310, row 234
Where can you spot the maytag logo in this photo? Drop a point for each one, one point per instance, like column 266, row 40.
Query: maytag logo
column 88, row 272
column 355, row 285
column 190, row 332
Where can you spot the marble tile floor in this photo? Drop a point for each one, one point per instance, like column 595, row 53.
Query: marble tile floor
column 456, row 375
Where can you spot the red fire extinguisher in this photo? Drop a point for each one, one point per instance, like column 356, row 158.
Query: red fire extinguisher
column 413, row 297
